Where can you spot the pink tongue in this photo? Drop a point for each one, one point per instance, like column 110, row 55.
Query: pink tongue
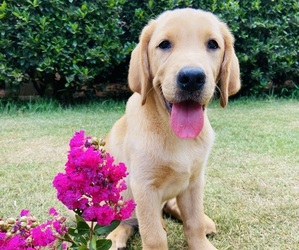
column 187, row 119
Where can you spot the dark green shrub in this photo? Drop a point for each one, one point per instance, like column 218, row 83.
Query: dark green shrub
column 89, row 42
column 74, row 39
column 267, row 43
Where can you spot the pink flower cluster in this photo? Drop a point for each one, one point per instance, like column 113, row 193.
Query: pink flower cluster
column 92, row 183
column 25, row 233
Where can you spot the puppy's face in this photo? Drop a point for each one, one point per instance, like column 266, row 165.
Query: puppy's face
column 180, row 58
column 186, row 51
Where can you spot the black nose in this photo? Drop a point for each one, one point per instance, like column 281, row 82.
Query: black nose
column 191, row 78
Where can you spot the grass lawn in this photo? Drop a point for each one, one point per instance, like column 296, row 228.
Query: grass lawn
column 252, row 180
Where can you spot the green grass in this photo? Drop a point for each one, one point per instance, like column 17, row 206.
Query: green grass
column 252, row 179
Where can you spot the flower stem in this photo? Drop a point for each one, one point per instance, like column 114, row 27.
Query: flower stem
column 91, row 230
column 63, row 239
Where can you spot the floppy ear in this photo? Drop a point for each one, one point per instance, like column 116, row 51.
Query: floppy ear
column 230, row 71
column 139, row 70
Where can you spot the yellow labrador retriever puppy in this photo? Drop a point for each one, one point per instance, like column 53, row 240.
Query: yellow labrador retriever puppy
column 165, row 136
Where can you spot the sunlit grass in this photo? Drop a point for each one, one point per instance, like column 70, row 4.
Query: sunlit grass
column 252, row 184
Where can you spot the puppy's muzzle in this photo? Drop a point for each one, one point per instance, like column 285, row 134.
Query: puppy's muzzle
column 191, row 79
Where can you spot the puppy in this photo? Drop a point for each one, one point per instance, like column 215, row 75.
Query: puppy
column 165, row 136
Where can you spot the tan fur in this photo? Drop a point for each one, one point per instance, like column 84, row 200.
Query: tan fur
column 164, row 169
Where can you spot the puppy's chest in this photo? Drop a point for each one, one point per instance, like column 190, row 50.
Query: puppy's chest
column 172, row 178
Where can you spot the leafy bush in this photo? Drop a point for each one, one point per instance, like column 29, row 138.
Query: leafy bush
column 87, row 42
column 266, row 35
column 60, row 42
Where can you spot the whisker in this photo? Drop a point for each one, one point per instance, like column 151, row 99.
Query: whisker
column 149, row 91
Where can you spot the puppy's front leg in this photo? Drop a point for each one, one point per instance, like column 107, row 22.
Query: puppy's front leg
column 190, row 203
column 148, row 211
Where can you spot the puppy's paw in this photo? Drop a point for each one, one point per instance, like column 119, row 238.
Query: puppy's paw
column 120, row 236
column 209, row 246
column 204, row 244
column 210, row 226
column 171, row 208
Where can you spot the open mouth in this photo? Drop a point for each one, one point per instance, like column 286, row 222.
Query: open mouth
column 186, row 118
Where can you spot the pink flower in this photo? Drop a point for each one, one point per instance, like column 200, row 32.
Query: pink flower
column 78, row 139
column 105, row 215
column 42, row 236
column 70, row 198
column 89, row 214
column 126, row 209
column 53, row 211
column 92, row 183
column 15, row 242
column 32, row 236
column 24, row 212
column 62, row 182
column 2, row 237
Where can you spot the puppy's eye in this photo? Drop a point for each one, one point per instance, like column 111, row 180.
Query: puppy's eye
column 213, row 45
column 165, row 45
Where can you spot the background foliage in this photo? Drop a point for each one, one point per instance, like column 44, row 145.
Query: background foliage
column 63, row 45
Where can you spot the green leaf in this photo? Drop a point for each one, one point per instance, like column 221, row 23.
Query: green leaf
column 3, row 6
column 79, row 218
column 67, row 237
column 104, row 244
column 93, row 244
column 150, row 4
column 73, row 232
column 17, row 14
column 99, row 230
column 35, row 3
column 84, row 7
column 83, row 228
column 82, row 247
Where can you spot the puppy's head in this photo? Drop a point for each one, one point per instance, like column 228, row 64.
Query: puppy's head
column 180, row 58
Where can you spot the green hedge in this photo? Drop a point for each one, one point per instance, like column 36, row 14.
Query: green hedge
column 267, row 43
column 89, row 42
column 76, row 40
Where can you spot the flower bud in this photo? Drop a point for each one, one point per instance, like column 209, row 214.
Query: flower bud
column 29, row 239
column 3, row 226
column 120, row 203
column 87, row 143
column 34, row 224
column 11, row 221
column 23, row 224
column 102, row 142
column 32, row 218
column 61, row 219
column 24, row 219
column 95, row 143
